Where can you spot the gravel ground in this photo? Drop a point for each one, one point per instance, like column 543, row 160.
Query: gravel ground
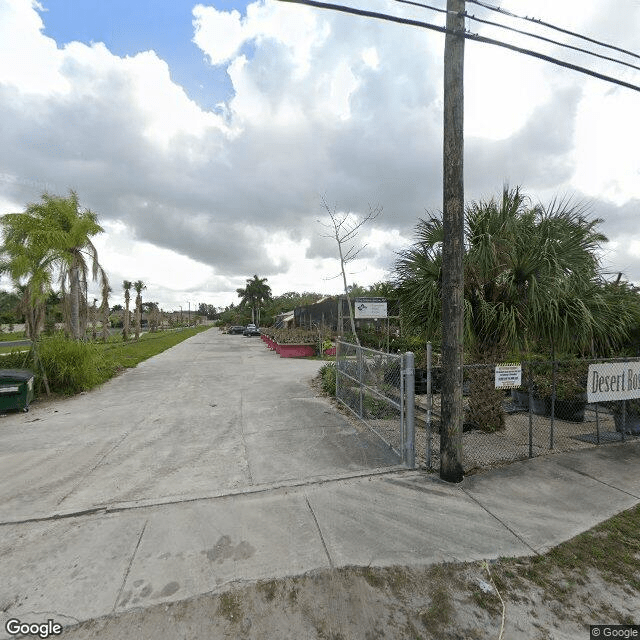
column 486, row 450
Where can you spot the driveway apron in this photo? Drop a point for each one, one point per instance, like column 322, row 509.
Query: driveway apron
column 214, row 415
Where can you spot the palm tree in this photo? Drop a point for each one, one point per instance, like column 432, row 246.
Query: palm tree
column 138, row 286
column 104, row 307
column 255, row 293
column 22, row 261
column 531, row 277
column 126, row 285
column 57, row 229
column 94, row 319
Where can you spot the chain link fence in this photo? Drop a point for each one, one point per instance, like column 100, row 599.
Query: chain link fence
column 547, row 411
column 378, row 388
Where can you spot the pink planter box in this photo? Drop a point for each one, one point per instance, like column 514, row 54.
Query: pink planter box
column 295, row 350
column 330, row 352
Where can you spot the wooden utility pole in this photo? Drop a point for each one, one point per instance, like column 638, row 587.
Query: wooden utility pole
column 453, row 248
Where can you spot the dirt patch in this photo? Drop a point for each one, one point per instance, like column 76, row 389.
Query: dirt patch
column 450, row 601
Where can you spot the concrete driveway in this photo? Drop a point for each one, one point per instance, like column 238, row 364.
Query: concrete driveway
column 217, row 414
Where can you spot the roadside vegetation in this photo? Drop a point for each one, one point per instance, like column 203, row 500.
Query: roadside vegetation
column 73, row 366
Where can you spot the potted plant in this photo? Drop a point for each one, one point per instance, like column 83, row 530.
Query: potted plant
column 631, row 421
column 571, row 385
column 296, row 343
column 570, row 397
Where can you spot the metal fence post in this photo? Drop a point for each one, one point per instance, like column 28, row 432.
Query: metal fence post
column 360, row 381
column 429, row 406
column 530, row 410
column 338, row 365
column 624, row 419
column 410, row 387
column 554, row 369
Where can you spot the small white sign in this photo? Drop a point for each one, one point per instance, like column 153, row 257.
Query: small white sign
column 370, row 308
column 508, row 376
column 613, row 381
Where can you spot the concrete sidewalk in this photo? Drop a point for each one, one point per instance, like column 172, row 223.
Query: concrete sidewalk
column 77, row 568
column 114, row 500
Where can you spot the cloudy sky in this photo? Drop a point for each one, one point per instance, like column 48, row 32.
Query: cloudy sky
column 206, row 135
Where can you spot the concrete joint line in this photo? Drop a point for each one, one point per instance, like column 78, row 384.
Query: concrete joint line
column 58, row 516
column 588, row 475
column 324, row 544
column 95, row 466
column 251, row 491
column 59, row 614
column 244, row 441
column 504, row 524
column 126, row 575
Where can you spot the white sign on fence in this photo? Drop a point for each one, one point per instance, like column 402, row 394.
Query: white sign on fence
column 613, row 381
column 508, row 376
column 371, row 307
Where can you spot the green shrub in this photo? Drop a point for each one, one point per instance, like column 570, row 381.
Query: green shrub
column 72, row 366
column 328, row 378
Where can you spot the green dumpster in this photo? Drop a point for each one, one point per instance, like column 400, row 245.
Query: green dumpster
column 16, row 389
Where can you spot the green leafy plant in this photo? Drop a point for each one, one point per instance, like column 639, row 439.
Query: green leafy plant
column 328, row 378
column 72, row 366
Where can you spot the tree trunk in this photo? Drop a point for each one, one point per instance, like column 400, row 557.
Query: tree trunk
column 346, row 293
column 74, row 299
column 138, row 315
column 105, row 322
column 125, row 320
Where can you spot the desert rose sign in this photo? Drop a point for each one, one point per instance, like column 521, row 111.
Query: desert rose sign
column 371, row 308
column 613, row 381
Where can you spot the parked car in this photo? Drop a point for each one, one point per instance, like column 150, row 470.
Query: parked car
column 236, row 330
column 251, row 330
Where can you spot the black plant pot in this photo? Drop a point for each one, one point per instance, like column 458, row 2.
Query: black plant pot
column 571, row 409
column 631, row 424
column 520, row 398
column 540, row 406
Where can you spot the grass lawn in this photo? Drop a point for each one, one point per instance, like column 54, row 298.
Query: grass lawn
column 13, row 335
column 73, row 367
column 125, row 355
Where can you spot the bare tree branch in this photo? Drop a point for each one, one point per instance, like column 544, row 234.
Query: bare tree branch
column 344, row 231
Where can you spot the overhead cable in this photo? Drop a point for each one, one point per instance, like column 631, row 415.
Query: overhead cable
column 491, row 7
column 524, row 33
column 469, row 36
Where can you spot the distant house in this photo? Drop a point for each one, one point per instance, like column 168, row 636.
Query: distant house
column 285, row 320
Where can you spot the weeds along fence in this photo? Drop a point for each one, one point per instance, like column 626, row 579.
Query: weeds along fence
column 378, row 388
column 527, row 409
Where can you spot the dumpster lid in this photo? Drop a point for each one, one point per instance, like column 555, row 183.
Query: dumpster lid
column 15, row 374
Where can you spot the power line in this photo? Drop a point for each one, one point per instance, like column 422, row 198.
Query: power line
column 469, row 36
column 491, row 7
column 525, row 33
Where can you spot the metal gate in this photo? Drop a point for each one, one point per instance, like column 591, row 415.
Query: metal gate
column 379, row 389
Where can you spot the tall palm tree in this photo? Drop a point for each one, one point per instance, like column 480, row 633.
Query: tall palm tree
column 126, row 285
column 531, row 278
column 94, row 319
column 138, row 286
column 254, row 294
column 58, row 229
column 104, row 306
